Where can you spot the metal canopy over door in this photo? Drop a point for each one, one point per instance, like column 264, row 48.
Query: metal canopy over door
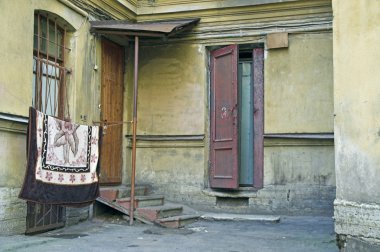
column 224, row 130
column 112, row 111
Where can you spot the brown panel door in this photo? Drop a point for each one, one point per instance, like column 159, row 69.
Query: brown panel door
column 112, row 111
column 224, row 128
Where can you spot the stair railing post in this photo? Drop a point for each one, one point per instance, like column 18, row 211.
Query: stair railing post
column 134, row 132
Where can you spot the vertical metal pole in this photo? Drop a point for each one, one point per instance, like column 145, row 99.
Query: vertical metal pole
column 134, row 129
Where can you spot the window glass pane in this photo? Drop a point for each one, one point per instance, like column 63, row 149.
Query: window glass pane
column 49, row 89
column 52, row 97
column 48, row 96
column 34, row 65
column 46, row 73
column 44, row 68
column 60, row 39
column 34, row 91
column 43, row 33
column 51, row 69
column 52, row 41
column 35, row 33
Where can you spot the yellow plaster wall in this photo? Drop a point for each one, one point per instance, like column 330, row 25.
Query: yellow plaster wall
column 357, row 99
column 171, row 90
column 298, row 88
column 176, row 172
column 84, row 83
column 13, row 156
column 16, row 50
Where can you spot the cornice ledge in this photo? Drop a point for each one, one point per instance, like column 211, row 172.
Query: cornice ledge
column 148, row 7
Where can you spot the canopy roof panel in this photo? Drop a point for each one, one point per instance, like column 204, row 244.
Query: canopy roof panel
column 165, row 28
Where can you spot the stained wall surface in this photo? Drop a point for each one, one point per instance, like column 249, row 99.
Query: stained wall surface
column 174, row 97
column 357, row 124
column 16, row 52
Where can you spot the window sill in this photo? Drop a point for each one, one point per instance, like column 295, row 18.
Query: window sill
column 13, row 123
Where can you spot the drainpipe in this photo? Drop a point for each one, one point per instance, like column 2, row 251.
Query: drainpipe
column 134, row 132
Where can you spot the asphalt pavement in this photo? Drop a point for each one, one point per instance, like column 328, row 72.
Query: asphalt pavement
column 113, row 233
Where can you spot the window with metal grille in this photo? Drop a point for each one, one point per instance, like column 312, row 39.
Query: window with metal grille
column 49, row 97
column 48, row 65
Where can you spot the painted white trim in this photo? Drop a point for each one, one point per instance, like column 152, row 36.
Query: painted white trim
column 13, row 118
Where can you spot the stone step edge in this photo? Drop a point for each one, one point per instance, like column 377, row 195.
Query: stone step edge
column 143, row 198
column 240, row 217
column 178, row 218
column 152, row 213
column 162, row 208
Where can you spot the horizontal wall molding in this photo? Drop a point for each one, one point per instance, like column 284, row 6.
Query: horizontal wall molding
column 220, row 8
column 145, row 6
column 246, row 31
column 272, row 140
column 13, row 123
column 196, row 141
column 167, row 137
column 249, row 24
column 167, row 141
column 322, row 136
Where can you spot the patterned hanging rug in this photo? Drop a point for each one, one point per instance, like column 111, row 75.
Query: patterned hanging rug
column 63, row 161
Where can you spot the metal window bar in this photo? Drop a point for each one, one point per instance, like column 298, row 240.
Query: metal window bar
column 49, row 81
column 49, row 97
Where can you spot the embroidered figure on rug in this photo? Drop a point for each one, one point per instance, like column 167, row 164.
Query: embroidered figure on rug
column 67, row 138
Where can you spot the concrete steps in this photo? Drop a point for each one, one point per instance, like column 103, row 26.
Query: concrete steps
column 112, row 193
column 150, row 209
column 177, row 221
column 142, row 201
column 158, row 212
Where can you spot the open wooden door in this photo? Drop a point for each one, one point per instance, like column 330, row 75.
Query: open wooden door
column 112, row 89
column 224, row 118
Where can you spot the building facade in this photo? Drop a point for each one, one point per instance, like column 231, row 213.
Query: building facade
column 356, row 37
column 277, row 55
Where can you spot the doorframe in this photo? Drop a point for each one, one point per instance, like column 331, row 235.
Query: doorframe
column 258, row 176
column 107, row 40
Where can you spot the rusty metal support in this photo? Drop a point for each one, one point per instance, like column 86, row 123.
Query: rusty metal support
column 134, row 131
